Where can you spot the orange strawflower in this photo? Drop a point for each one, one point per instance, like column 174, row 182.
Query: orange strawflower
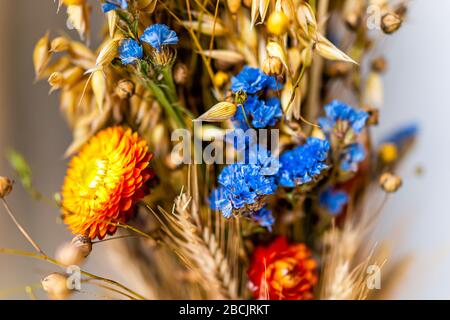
column 104, row 181
column 282, row 271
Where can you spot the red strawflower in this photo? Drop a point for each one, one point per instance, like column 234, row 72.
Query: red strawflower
column 282, row 271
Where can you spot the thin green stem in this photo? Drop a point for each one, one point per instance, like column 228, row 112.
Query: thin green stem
column 21, row 229
column 46, row 258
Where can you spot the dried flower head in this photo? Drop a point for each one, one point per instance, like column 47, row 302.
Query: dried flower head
column 6, row 186
column 124, row 89
column 69, row 255
column 83, row 243
column 390, row 22
column 390, row 182
column 282, row 271
column 104, row 181
column 55, row 284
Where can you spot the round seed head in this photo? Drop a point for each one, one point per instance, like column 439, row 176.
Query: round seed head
column 55, row 285
column 390, row 183
column 6, row 186
column 278, row 23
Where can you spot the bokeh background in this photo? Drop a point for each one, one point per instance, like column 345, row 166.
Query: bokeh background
column 416, row 221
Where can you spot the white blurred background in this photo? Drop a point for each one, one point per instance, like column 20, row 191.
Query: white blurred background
column 417, row 87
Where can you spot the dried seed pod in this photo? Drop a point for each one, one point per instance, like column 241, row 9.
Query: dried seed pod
column 388, row 153
column 329, row 51
column 390, row 182
column 379, row 64
column 113, row 18
column 374, row 115
column 234, row 5
column 272, row 66
column 307, row 19
column 55, row 284
column 78, row 18
column 56, row 81
column 6, row 186
column 108, row 52
column 59, row 44
column 73, row 76
column 390, row 22
column 98, row 84
column 41, row 54
column 219, row 112
column 221, row 78
column 274, row 49
column 124, row 89
column 83, row 243
column 69, row 255
column 278, row 23
column 180, row 73
column 228, row 56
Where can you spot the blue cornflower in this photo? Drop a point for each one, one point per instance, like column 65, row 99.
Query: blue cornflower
column 352, row 155
column 333, row 201
column 264, row 217
column 130, row 51
column 402, row 135
column 243, row 185
column 337, row 111
column 111, row 5
column 261, row 113
column 159, row 35
column 267, row 114
column 304, row 163
column 252, row 80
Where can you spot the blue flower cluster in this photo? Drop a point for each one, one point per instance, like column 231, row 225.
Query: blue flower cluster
column 111, row 5
column 130, row 51
column 262, row 113
column 303, row 163
column 333, row 201
column 338, row 111
column 157, row 35
column 241, row 187
column 253, row 80
column 340, row 118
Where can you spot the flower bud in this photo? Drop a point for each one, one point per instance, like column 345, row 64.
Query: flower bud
column 390, row 182
column 59, row 44
column 272, row 66
column 124, row 89
column 83, row 243
column 6, row 186
column 55, row 285
column 220, row 79
column 390, row 22
column 388, row 153
column 278, row 23
column 180, row 73
column 69, row 255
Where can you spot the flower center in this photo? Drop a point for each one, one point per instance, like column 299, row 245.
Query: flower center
column 93, row 174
